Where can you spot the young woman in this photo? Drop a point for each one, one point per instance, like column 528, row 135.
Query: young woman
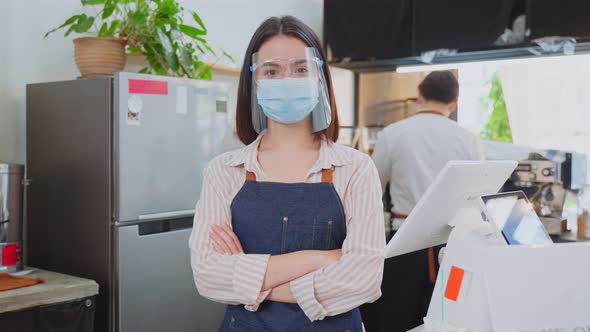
column 288, row 230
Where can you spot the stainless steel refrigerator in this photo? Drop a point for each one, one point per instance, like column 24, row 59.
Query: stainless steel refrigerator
column 115, row 166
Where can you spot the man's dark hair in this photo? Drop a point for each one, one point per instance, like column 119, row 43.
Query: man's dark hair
column 440, row 86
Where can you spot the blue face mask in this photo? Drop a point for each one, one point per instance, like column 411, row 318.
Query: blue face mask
column 288, row 100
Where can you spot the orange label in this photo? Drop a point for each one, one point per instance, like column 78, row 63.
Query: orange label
column 454, row 283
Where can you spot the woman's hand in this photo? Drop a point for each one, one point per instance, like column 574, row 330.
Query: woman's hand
column 225, row 240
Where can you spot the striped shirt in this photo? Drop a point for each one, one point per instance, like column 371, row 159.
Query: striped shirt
column 340, row 287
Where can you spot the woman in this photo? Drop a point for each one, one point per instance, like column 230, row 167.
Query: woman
column 289, row 229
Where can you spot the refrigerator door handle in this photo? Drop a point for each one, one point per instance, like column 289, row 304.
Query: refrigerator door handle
column 167, row 215
column 164, row 226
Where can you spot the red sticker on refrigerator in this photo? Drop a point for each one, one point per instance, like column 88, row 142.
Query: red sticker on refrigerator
column 148, row 87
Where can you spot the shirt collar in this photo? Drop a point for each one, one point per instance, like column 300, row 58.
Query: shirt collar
column 247, row 155
column 330, row 155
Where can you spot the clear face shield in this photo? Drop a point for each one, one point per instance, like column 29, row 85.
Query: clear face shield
column 290, row 90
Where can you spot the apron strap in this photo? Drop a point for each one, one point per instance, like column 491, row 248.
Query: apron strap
column 327, row 175
column 431, row 266
column 250, row 176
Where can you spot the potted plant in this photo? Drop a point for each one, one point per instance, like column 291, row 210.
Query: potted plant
column 152, row 28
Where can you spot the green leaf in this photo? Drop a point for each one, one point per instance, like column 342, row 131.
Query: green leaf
column 138, row 17
column 134, row 49
column 203, row 41
column 187, row 55
column 70, row 30
column 200, row 49
column 171, row 21
column 84, row 23
column 169, row 50
column 114, row 25
column 66, row 23
column 103, row 32
column 198, row 64
column 197, row 19
column 191, row 31
column 92, row 2
column 205, row 73
column 209, row 49
column 172, row 60
column 143, row 6
column 165, row 41
column 167, row 8
column 153, row 59
column 144, row 70
column 227, row 55
column 109, row 8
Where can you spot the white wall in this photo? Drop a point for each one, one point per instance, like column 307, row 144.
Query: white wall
column 546, row 98
column 474, row 84
column 548, row 103
column 26, row 57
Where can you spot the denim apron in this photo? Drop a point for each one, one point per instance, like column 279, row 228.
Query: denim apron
column 278, row 218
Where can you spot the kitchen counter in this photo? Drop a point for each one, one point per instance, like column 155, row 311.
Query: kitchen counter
column 567, row 237
column 57, row 288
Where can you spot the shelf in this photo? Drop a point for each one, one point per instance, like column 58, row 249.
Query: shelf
column 486, row 55
column 225, row 70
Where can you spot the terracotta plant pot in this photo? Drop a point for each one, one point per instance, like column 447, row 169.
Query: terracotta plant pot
column 99, row 56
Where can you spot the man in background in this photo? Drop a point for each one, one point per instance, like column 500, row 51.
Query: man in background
column 409, row 155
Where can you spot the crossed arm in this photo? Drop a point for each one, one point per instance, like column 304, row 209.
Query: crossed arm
column 281, row 269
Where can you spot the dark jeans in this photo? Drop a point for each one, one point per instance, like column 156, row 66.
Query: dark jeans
column 406, row 292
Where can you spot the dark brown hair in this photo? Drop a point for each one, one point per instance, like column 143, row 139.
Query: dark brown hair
column 440, row 86
column 273, row 26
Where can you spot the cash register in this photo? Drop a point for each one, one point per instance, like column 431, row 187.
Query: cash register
column 498, row 260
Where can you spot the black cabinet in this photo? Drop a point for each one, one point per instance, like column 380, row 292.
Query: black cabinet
column 458, row 24
column 368, row 29
column 558, row 18
column 392, row 29
column 73, row 316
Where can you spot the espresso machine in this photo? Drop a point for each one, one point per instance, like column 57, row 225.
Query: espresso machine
column 11, row 207
column 547, row 177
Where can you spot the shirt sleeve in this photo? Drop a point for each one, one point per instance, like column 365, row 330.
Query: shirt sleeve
column 229, row 279
column 356, row 278
column 382, row 159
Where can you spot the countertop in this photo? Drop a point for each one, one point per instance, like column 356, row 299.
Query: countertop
column 568, row 237
column 57, row 288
